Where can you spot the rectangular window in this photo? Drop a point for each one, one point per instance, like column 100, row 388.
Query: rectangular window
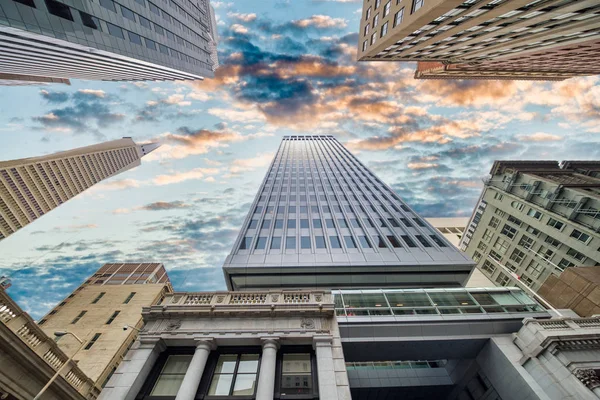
column 498, row 196
column 555, row 224
column 437, row 240
column 163, row 49
column 517, row 256
column 320, row 242
column 499, row 212
column 381, row 243
column 364, row 242
column 29, row 3
column 128, row 299
column 350, row 244
column 582, row 237
column 154, row 9
column 355, row 223
column 235, row 375
column 368, row 15
column 386, row 8
column 246, row 242
column 112, row 317
column 115, row 30
column 127, row 13
column 416, row 5
column 564, row 263
column 514, row 220
column 317, row 223
column 290, row 242
column 108, row 4
column 482, row 246
column 89, row 20
column 495, row 255
column 576, row 255
column 261, row 243
column 266, row 224
column 253, row 224
column 59, row 9
column 276, row 243
column 508, row 231
column 534, row 214
column 141, row 2
column 171, row 376
column 384, row 29
column 494, row 222
column 399, row 17
column 552, row 242
column 97, row 299
column 144, row 22
column 278, row 224
column 395, row 243
column 526, row 242
column 533, row 231
column 296, row 374
column 134, row 38
column 408, row 241
column 368, row 223
column 393, row 223
column 305, row 242
column 373, row 38
column 92, row 341
column 152, row 45
column 291, row 224
column 77, row 318
column 335, row 242
column 342, row 223
column 158, row 29
column 304, row 223
column 329, row 223
column 377, row 4
column 488, row 267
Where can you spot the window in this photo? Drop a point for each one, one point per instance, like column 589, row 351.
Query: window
column 368, row 223
column 495, row 255
column 381, row 243
column 115, row 30
column 508, row 231
column 488, row 267
column 128, row 299
column 246, row 242
column 367, row 26
column 320, row 242
column 384, row 29
column 154, row 9
column 291, row 224
column 501, row 245
column 29, row 3
column 373, row 38
column 77, row 318
column 517, row 256
column 171, row 376
column 335, row 242
column 152, row 45
column 386, row 8
column 112, row 317
column 355, row 223
column 534, row 268
column 253, row 224
column 487, row 235
column 276, row 243
column 317, row 223
column 350, row 244
column 395, row 243
column 342, row 223
column 134, row 38
column 534, row 214
column 108, row 4
column 499, row 212
column 416, row 5
column 305, row 242
column 141, row 2
column 514, row 220
column 158, row 29
column 526, row 242
column 377, row 4
column 517, row 205
column 145, row 23
column 476, row 256
column 97, row 299
column 92, row 341
column 564, row 263
column 482, row 246
column 296, row 374
column 576, row 255
column 498, row 196
column 582, row 237
column 163, row 49
column 364, row 242
column 533, row 231
column 555, row 224
column 59, row 9
column 368, row 14
column 89, row 20
column 552, row 242
column 408, row 241
column 290, row 243
column 437, row 240
column 278, row 224
column 502, row 279
column 261, row 243
column 494, row 222
column 266, row 224
column 399, row 17
column 127, row 13
column 329, row 223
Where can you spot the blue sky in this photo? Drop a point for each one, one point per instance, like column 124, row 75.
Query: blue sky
column 287, row 67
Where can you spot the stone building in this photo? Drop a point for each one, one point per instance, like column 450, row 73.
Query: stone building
column 576, row 289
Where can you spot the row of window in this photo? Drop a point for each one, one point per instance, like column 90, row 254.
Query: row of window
column 330, row 223
column 108, row 322
column 398, row 17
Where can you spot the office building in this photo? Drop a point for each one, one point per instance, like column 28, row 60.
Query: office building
column 98, row 310
column 29, row 358
column 30, row 187
column 577, row 289
column 320, row 211
column 113, row 40
column 536, row 218
column 291, row 329
column 486, row 39
column 453, row 229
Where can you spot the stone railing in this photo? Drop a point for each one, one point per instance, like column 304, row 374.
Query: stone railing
column 25, row 328
column 274, row 300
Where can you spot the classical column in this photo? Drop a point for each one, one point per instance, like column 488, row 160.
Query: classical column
column 325, row 369
column 590, row 379
column 191, row 380
column 266, row 376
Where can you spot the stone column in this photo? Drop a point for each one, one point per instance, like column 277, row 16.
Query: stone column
column 193, row 375
column 128, row 379
column 325, row 369
column 266, row 376
column 590, row 379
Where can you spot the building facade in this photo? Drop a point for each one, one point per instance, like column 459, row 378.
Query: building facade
column 98, row 310
column 577, row 289
column 319, row 211
column 111, row 40
column 536, row 218
column 31, row 187
column 29, row 80
column 486, row 39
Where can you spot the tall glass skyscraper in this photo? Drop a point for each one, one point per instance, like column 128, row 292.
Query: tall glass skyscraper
column 322, row 219
column 108, row 39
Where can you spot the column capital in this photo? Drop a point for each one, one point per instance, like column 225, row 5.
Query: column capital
column 270, row 342
column 207, row 344
column 322, row 341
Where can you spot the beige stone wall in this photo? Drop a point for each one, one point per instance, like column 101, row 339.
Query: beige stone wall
column 102, row 357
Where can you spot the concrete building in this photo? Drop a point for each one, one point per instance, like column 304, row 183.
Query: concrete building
column 98, row 310
column 487, row 39
column 30, row 187
column 453, row 230
column 537, row 218
column 112, row 40
column 576, row 289
column 29, row 358
column 318, row 211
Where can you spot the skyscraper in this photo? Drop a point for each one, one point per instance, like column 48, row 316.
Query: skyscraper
column 320, row 212
column 536, row 218
column 108, row 40
column 30, row 187
column 487, row 39
column 98, row 310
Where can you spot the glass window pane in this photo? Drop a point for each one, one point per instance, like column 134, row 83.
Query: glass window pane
column 317, row 223
column 290, row 242
column 320, row 242
column 248, row 363
column 220, row 385
column 364, row 300
column 407, row 299
column 244, row 384
column 305, row 242
column 261, row 243
column 167, row 385
column 296, row 374
column 451, row 299
column 226, row 364
column 335, row 242
column 349, row 242
column 276, row 243
column 177, row 364
column 505, row 299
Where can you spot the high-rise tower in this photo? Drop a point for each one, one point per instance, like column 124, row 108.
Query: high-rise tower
column 108, row 40
column 322, row 219
column 30, row 187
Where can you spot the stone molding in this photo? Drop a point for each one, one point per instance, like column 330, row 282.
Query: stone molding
column 588, row 377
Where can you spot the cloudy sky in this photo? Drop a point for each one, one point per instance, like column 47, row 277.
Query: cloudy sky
column 287, row 67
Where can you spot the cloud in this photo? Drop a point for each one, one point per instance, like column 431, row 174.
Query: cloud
column 118, row 184
column 540, row 137
column 321, row 22
column 178, row 177
column 165, row 205
column 54, row 97
column 240, row 29
column 244, row 165
column 421, row 165
column 242, row 17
